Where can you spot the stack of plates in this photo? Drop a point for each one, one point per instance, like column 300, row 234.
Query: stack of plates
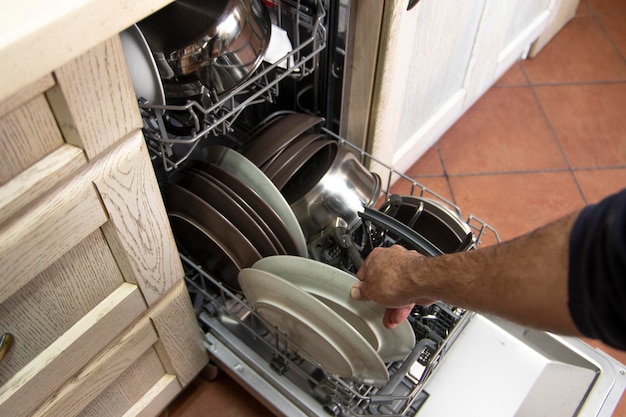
column 287, row 143
column 226, row 214
column 310, row 303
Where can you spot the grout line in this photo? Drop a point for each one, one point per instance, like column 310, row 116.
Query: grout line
column 518, row 172
column 562, row 83
column 554, row 136
column 445, row 173
column 598, row 19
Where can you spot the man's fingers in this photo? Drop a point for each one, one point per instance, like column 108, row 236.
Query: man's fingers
column 394, row 316
column 356, row 292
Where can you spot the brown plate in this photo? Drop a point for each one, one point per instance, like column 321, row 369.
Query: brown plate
column 273, row 139
column 193, row 241
column 230, row 209
column 306, row 157
column 289, row 153
column 257, row 204
column 249, row 210
column 184, row 202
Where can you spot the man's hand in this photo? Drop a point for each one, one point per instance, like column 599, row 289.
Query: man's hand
column 386, row 278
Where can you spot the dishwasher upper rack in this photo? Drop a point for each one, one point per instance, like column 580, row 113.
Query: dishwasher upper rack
column 227, row 316
column 214, row 115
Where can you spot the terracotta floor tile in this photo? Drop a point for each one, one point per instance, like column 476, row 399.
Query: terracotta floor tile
column 588, row 121
column 428, row 164
column 504, row 131
column 608, row 7
column 597, row 184
column 517, row 203
column 514, row 76
column 580, row 52
column 616, row 27
column 583, row 9
column 222, row 397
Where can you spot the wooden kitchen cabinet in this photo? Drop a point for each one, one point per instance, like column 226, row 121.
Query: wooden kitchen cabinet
column 429, row 64
column 91, row 284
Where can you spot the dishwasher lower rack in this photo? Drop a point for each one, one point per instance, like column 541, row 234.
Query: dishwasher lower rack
column 233, row 327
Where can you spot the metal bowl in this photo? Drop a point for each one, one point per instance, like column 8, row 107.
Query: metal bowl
column 219, row 42
column 333, row 184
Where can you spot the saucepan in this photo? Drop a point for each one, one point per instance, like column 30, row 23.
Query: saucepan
column 219, row 43
column 333, row 184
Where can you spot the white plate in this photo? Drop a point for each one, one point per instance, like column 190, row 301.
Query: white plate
column 248, row 173
column 332, row 286
column 313, row 327
column 143, row 70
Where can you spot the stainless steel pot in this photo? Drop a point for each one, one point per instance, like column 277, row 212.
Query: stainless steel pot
column 218, row 42
column 335, row 185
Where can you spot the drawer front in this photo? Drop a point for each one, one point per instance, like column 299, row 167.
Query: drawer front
column 41, row 377
column 101, row 372
column 46, row 231
column 28, row 130
column 56, row 299
column 144, row 389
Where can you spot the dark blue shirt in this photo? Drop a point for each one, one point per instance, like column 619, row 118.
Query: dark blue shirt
column 597, row 271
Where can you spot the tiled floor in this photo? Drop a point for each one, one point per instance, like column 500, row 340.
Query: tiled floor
column 547, row 139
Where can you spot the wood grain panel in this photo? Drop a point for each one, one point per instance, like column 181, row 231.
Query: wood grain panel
column 26, row 94
column 23, row 393
column 129, row 388
column 100, row 373
column 93, row 100
column 27, row 134
column 138, row 230
column 32, row 242
column 180, row 344
column 156, row 399
column 56, row 299
column 39, row 178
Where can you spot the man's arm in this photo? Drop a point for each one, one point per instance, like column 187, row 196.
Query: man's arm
column 524, row 280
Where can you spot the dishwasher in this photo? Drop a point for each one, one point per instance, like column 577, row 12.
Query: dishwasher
column 459, row 363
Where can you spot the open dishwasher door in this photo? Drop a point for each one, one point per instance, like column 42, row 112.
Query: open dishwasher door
column 496, row 368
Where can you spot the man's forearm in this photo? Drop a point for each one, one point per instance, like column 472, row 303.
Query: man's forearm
column 524, row 280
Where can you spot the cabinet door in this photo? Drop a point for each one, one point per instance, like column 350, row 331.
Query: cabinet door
column 507, row 30
column 420, row 87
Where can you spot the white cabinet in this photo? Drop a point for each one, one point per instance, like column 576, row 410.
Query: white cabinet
column 424, row 58
column 431, row 64
column 506, row 33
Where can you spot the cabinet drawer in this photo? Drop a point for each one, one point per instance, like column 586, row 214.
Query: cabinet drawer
column 46, row 231
column 144, row 389
column 101, row 372
column 28, row 129
column 42, row 376
column 56, row 299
